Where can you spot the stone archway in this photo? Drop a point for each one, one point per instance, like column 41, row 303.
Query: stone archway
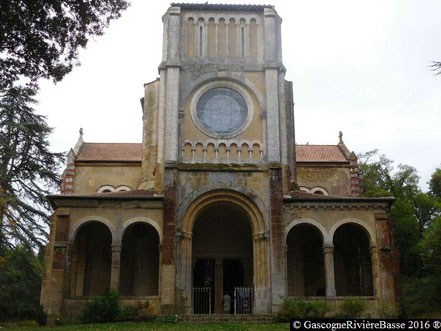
column 91, row 261
column 139, row 270
column 243, row 205
column 353, row 261
column 305, row 261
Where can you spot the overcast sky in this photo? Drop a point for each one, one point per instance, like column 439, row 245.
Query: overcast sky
column 361, row 67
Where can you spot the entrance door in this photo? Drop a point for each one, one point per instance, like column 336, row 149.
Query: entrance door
column 203, row 286
column 222, row 253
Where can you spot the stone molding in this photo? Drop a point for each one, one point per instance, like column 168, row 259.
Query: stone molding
column 228, row 187
column 335, row 205
column 226, row 84
column 235, row 77
column 228, row 143
column 89, row 219
column 196, row 15
column 143, row 220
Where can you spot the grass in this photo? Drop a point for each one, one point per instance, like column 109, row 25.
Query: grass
column 159, row 326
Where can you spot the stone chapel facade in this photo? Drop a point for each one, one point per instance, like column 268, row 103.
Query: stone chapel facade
column 217, row 195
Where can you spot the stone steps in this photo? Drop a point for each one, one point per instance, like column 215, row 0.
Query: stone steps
column 202, row 318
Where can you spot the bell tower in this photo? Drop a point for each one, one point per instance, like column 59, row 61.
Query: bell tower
column 220, row 117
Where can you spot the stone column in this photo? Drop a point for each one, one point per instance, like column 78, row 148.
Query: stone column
column 216, row 26
column 80, row 267
column 328, row 254
column 375, row 270
column 238, row 40
column 246, row 42
column 218, row 285
column 116, row 265
column 184, row 274
column 260, row 278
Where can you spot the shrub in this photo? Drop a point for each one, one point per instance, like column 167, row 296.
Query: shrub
column 388, row 310
column 299, row 308
column 166, row 319
column 62, row 320
column 351, row 308
column 41, row 316
column 137, row 312
column 102, row 308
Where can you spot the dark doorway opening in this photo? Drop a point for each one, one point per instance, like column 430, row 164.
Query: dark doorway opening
column 305, row 262
column 203, row 282
column 204, row 273
column 233, row 275
column 222, row 250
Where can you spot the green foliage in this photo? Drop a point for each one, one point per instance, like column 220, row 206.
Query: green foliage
column 300, row 308
column 139, row 311
column 103, row 308
column 42, row 38
column 62, row 320
column 388, row 310
column 351, row 307
column 417, row 229
column 435, row 182
column 20, row 282
column 431, row 247
column 413, row 212
column 166, row 319
column 421, row 296
column 41, row 316
column 107, row 308
column 28, row 170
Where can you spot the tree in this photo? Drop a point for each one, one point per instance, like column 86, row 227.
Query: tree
column 413, row 210
column 42, row 38
column 380, row 179
column 436, row 66
column 20, row 283
column 28, row 170
column 435, row 183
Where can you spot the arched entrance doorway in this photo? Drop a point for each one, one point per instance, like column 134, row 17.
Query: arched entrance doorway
column 226, row 228
column 222, row 252
column 305, row 262
column 352, row 261
column 139, row 261
column 92, row 259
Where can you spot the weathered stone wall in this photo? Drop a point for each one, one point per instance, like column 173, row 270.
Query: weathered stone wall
column 335, row 179
column 150, row 135
column 60, row 273
column 90, row 177
column 327, row 217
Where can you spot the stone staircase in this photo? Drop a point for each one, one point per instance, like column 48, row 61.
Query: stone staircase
column 216, row 318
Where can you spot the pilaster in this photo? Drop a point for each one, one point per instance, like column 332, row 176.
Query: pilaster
column 116, row 265
column 278, row 275
column 328, row 255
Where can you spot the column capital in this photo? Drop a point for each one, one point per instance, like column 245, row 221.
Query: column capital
column 328, row 249
column 260, row 236
column 116, row 245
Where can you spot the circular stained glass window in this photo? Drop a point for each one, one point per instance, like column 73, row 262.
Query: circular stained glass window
column 222, row 110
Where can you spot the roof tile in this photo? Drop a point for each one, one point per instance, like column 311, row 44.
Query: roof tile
column 319, row 153
column 133, row 152
column 110, row 152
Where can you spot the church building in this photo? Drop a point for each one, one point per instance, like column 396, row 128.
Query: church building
column 218, row 198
